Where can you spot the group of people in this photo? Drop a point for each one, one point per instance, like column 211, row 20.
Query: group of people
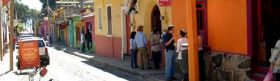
column 86, row 40
column 138, row 44
column 139, row 51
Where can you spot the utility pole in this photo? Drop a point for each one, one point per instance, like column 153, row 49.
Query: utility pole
column 48, row 32
column 11, row 29
column 192, row 40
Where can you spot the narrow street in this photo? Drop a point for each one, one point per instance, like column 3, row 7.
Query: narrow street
column 67, row 67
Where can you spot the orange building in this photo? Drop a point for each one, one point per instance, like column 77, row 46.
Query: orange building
column 238, row 33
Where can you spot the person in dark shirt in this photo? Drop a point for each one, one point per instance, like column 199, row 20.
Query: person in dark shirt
column 170, row 52
column 88, row 38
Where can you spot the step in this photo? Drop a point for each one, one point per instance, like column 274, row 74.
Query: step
column 261, row 69
column 258, row 76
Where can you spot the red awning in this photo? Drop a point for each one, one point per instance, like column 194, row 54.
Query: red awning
column 4, row 2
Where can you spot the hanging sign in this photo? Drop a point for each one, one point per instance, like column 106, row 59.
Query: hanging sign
column 164, row 2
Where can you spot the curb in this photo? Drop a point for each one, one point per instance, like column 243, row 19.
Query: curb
column 59, row 48
column 133, row 72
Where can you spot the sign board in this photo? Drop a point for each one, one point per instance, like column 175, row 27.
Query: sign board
column 29, row 54
column 164, row 2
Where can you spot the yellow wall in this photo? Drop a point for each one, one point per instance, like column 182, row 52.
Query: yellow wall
column 227, row 26
column 116, row 16
column 145, row 12
column 142, row 18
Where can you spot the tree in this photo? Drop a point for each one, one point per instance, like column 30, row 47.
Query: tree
column 19, row 28
column 52, row 5
column 24, row 13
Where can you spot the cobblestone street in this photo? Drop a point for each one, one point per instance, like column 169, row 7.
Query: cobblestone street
column 67, row 67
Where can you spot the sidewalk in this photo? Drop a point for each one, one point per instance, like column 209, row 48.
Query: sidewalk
column 122, row 65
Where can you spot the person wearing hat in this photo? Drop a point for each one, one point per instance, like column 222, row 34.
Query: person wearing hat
column 141, row 44
column 182, row 51
column 170, row 54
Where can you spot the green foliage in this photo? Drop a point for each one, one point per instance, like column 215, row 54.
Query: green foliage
column 19, row 28
column 52, row 5
column 24, row 13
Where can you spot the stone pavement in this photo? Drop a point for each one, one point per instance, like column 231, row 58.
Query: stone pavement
column 122, row 65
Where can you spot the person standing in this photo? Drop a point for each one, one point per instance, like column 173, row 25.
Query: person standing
column 169, row 54
column 201, row 58
column 83, row 41
column 183, row 53
column 275, row 61
column 141, row 44
column 155, row 42
column 133, row 50
column 88, row 38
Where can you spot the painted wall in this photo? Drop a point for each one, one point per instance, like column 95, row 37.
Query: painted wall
column 179, row 16
column 145, row 8
column 227, row 26
column 108, row 45
column 116, row 16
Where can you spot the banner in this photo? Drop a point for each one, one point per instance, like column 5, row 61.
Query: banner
column 164, row 2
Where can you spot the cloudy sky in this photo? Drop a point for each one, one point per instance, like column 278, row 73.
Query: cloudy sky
column 33, row 4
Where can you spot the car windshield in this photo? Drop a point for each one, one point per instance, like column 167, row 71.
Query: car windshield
column 41, row 43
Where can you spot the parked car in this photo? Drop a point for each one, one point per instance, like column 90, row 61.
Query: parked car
column 43, row 50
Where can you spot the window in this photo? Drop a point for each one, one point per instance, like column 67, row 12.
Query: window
column 99, row 18
column 109, row 16
column 41, row 43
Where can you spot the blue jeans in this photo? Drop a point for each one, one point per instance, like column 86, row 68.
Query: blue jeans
column 170, row 59
column 133, row 58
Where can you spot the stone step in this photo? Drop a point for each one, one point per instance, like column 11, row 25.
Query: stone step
column 258, row 76
column 262, row 69
column 260, row 73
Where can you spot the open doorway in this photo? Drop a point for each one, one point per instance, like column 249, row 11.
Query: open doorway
column 155, row 18
column 265, row 30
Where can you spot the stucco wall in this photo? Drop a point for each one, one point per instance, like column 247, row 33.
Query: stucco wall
column 116, row 16
column 227, row 26
column 145, row 12
column 179, row 16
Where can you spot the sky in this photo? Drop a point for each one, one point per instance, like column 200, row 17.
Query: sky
column 33, row 4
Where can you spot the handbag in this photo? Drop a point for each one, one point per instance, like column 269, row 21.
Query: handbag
column 269, row 76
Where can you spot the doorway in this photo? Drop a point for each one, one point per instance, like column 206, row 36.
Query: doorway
column 265, row 30
column 155, row 18
column 126, row 31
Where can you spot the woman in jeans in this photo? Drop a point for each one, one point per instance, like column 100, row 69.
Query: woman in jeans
column 183, row 53
column 133, row 50
column 275, row 61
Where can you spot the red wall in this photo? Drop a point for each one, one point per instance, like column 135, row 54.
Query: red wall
column 104, row 46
